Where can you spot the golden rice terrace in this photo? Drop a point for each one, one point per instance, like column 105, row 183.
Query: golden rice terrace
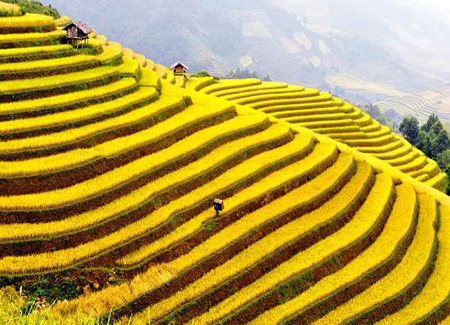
column 108, row 160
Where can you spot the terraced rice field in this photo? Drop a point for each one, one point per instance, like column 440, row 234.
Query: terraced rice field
column 116, row 166
column 326, row 115
column 9, row 9
column 410, row 105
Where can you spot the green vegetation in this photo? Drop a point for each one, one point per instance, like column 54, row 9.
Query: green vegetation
column 16, row 309
column 381, row 117
column 202, row 74
column 431, row 138
column 10, row 10
column 245, row 74
column 35, row 7
column 410, row 129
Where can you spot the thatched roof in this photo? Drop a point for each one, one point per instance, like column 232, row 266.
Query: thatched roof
column 82, row 26
column 173, row 66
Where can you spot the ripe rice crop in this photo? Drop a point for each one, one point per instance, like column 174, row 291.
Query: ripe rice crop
column 327, row 124
column 259, row 188
column 379, row 258
column 290, row 102
column 216, row 243
column 416, row 259
column 436, row 292
column 439, row 181
column 304, row 93
column 255, row 252
column 81, row 114
column 44, row 65
column 31, row 51
column 406, row 159
column 230, row 84
column 280, row 237
column 382, row 149
column 129, row 68
column 109, row 55
column 387, row 139
column 136, row 198
column 198, row 83
column 27, row 20
column 150, row 64
column 416, row 164
column 116, row 166
column 379, row 133
column 102, row 302
column 366, row 217
column 114, row 44
column 170, row 76
column 256, row 93
column 432, row 168
column 327, row 212
column 9, row 9
column 27, row 85
column 140, row 59
column 365, row 120
column 149, row 78
column 159, row 159
column 61, row 101
column 161, row 71
column 63, row 21
column 128, row 53
column 97, row 186
column 58, row 162
column 365, row 134
column 310, row 112
column 62, row 259
column 262, row 86
column 31, row 37
column 316, row 118
column 316, row 104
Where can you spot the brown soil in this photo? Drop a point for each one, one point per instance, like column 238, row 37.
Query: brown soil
column 25, row 30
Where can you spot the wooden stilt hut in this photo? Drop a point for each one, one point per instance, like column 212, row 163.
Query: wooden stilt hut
column 179, row 68
column 78, row 33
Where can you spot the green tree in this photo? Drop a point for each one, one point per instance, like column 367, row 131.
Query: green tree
column 439, row 144
column 436, row 128
column 381, row 117
column 424, row 143
column 443, row 159
column 432, row 119
column 410, row 129
column 202, row 74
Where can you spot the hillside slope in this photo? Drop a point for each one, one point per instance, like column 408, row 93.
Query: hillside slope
column 219, row 36
column 107, row 163
column 326, row 115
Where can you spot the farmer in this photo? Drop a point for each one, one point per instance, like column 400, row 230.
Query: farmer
column 218, row 206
